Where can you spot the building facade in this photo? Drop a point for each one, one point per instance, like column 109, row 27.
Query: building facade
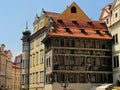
column 5, row 68
column 16, row 77
column 25, row 60
column 2, row 66
column 17, row 73
column 78, row 51
column 67, row 50
column 111, row 15
column 37, row 51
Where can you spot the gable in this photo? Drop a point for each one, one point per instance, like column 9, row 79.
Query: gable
column 104, row 14
column 9, row 54
column 74, row 12
column 115, row 3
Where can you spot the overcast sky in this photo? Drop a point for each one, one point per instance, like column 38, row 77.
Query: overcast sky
column 15, row 13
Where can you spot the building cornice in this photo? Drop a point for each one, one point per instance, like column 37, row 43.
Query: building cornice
column 34, row 35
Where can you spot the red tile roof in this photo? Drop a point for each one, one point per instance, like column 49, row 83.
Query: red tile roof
column 51, row 14
column 75, row 29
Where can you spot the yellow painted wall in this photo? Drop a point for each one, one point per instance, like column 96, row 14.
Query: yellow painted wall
column 24, row 86
column 37, row 67
column 43, row 22
column 35, row 89
column 116, row 88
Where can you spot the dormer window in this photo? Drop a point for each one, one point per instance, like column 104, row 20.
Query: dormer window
column 60, row 21
column 73, row 9
column 74, row 22
column 106, row 32
column 89, row 23
column 97, row 31
column 82, row 30
column 67, row 29
column 102, row 24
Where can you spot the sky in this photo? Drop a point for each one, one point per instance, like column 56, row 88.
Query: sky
column 15, row 13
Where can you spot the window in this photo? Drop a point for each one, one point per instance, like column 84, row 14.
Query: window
column 26, row 64
column 73, row 43
column 116, row 15
column 33, row 59
column 0, row 67
column 82, row 30
column 90, row 23
column 37, row 58
column 38, row 41
column 41, row 76
column 22, row 79
column 30, row 60
column 82, row 77
column 30, row 79
column 93, row 78
column 36, row 77
column 41, row 57
column 62, row 42
column 67, row 30
column 25, row 48
column 115, row 39
column 73, row 9
column 23, row 65
column 107, row 21
column 49, row 61
column 116, row 61
column 102, row 24
column 74, row 22
column 60, row 21
column 33, row 78
column 97, row 31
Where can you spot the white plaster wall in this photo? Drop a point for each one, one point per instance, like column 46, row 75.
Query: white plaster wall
column 115, row 29
column 113, row 18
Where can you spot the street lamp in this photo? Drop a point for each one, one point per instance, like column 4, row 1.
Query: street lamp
column 65, row 82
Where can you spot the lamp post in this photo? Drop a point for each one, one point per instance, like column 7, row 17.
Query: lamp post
column 65, row 83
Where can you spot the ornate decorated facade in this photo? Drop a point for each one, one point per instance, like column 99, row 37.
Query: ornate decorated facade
column 70, row 49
